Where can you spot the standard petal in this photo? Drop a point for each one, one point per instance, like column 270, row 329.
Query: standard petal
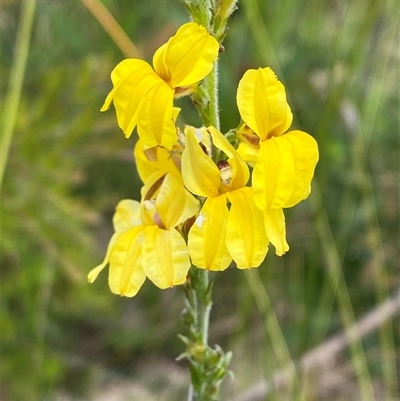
column 174, row 203
column 274, row 174
column 246, row 239
column 126, row 273
column 132, row 80
column 305, row 154
column 206, row 241
column 200, row 175
column 96, row 271
column 276, row 230
column 189, row 55
column 165, row 257
column 240, row 170
column 155, row 121
column 261, row 100
column 127, row 215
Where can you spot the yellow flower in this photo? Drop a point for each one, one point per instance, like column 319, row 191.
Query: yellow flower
column 143, row 97
column 219, row 233
column 283, row 164
column 146, row 241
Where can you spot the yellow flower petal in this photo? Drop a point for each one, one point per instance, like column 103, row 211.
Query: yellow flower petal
column 206, row 241
column 174, row 203
column 274, row 174
column 188, row 56
column 175, row 113
column 127, row 215
column 283, row 127
column 126, row 273
column 261, row 99
column 165, row 257
column 149, row 193
column 159, row 160
column 96, row 271
column 152, row 185
column 305, row 152
column 155, row 121
column 200, row 175
column 159, row 63
column 282, row 175
column 202, row 136
column 240, row 170
column 245, row 237
column 276, row 230
column 132, row 80
column 248, row 153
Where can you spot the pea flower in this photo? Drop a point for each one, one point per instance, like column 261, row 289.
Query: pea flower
column 146, row 241
column 219, row 233
column 143, row 97
column 283, row 164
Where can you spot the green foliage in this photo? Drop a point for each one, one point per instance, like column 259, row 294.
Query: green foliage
column 69, row 165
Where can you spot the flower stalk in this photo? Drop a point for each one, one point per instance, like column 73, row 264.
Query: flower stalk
column 208, row 366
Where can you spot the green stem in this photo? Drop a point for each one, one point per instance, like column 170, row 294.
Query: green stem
column 197, row 318
column 202, row 296
column 211, row 84
column 208, row 365
column 17, row 74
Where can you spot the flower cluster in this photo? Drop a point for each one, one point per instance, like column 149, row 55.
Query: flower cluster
column 197, row 206
column 147, row 239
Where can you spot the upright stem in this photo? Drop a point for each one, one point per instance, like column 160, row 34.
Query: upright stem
column 208, row 366
column 210, row 115
column 199, row 278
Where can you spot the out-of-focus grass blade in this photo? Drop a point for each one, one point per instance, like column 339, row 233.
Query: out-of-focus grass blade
column 373, row 101
column 17, row 74
column 339, row 287
column 274, row 332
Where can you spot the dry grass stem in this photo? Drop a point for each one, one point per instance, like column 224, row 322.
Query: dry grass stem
column 111, row 26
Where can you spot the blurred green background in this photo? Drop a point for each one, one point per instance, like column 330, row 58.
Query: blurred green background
column 69, row 165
